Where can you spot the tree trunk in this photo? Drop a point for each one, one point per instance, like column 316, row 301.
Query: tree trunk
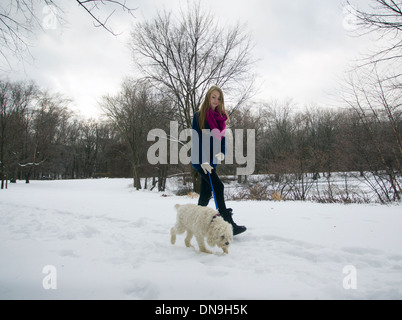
column 136, row 178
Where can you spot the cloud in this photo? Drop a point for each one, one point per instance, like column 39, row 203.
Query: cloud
column 78, row 60
column 303, row 49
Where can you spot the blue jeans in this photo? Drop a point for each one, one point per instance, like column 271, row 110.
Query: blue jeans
column 206, row 191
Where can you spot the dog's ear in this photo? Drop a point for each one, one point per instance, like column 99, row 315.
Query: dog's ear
column 210, row 237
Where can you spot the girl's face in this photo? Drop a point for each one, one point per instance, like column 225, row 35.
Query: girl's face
column 214, row 99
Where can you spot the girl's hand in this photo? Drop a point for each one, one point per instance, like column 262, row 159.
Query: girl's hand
column 220, row 156
column 206, row 167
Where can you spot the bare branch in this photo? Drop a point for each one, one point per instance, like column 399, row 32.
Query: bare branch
column 385, row 20
column 90, row 5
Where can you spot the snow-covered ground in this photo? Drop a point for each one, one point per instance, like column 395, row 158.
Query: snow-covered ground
column 100, row 239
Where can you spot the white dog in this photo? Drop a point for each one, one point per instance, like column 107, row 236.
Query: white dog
column 202, row 222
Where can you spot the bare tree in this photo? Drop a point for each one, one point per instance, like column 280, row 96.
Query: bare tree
column 14, row 101
column 384, row 19
column 42, row 125
column 135, row 111
column 89, row 145
column 183, row 56
column 385, row 15
column 18, row 22
column 380, row 109
column 374, row 92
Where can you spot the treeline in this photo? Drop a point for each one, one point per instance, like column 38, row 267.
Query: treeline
column 298, row 147
column 40, row 138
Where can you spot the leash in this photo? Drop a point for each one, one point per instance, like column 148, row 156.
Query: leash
column 213, row 191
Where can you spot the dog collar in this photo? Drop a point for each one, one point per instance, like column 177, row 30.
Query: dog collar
column 215, row 216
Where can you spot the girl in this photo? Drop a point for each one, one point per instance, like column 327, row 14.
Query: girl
column 212, row 117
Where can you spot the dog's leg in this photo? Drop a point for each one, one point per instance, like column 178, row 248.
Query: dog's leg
column 173, row 235
column 179, row 228
column 187, row 241
column 201, row 244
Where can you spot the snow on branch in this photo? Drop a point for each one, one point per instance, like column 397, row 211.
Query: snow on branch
column 32, row 164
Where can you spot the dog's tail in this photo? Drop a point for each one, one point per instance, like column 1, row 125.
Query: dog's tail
column 177, row 206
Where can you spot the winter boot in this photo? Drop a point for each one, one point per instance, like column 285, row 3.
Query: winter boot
column 227, row 216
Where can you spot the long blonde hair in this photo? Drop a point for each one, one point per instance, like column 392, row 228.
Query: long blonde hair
column 205, row 106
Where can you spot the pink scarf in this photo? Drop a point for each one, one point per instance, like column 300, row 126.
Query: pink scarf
column 216, row 121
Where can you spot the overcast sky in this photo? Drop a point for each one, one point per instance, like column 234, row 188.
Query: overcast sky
column 303, row 47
